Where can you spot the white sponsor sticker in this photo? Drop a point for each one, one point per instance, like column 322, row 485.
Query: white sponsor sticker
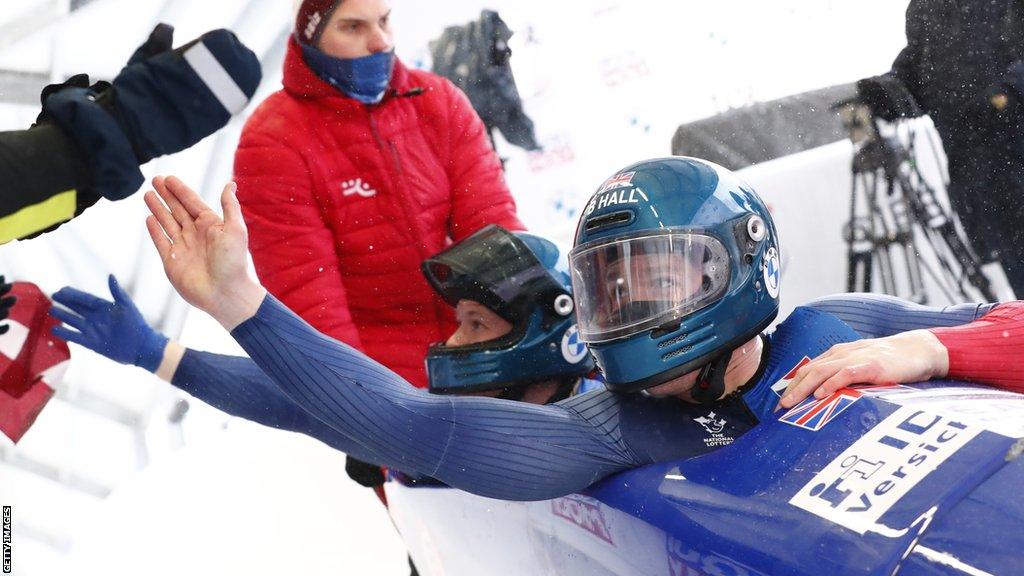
column 574, row 350
column 873, row 474
column 714, row 425
column 617, row 197
column 772, row 272
column 995, row 410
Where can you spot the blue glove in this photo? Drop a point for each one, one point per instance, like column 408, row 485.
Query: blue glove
column 112, row 329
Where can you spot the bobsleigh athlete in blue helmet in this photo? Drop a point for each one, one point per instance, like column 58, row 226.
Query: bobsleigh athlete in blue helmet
column 675, row 274
column 517, row 337
column 676, row 270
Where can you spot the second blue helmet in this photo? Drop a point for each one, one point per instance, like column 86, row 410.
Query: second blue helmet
column 523, row 278
column 675, row 264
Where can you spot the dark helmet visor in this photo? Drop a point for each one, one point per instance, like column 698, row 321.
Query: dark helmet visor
column 492, row 267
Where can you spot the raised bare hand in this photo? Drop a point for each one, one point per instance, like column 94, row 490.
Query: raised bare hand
column 203, row 255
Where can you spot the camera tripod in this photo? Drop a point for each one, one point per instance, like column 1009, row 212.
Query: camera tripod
column 897, row 224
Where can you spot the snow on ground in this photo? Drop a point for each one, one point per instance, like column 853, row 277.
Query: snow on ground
column 250, row 501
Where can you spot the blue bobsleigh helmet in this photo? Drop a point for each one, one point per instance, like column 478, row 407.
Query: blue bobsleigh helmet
column 525, row 280
column 676, row 264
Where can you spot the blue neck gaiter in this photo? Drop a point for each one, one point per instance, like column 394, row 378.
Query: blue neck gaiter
column 365, row 78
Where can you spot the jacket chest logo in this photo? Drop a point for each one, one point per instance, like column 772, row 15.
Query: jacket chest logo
column 714, row 425
column 356, row 186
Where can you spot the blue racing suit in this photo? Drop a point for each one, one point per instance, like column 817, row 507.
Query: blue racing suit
column 300, row 380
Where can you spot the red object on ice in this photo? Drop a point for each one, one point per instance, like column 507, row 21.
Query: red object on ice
column 32, row 361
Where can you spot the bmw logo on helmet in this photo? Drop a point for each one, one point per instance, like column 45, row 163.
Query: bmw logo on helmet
column 574, row 350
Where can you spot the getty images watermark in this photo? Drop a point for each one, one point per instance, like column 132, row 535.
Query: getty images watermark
column 7, row 539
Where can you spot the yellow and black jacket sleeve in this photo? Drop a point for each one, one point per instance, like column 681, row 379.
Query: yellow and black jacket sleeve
column 44, row 181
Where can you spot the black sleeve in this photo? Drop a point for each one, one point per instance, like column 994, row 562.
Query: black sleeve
column 1013, row 39
column 906, row 64
column 36, row 165
column 897, row 93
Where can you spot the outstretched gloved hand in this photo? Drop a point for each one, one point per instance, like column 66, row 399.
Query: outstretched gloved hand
column 163, row 101
column 888, row 97
column 112, row 329
column 6, row 303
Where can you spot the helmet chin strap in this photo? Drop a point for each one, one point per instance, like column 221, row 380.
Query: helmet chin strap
column 711, row 380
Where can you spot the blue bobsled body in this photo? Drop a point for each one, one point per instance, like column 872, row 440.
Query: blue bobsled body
column 921, row 479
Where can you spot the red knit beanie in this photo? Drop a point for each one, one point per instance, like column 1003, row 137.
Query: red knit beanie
column 312, row 19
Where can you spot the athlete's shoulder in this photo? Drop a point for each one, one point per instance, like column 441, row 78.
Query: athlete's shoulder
column 837, row 303
column 587, row 402
column 615, row 410
column 877, row 315
column 810, row 317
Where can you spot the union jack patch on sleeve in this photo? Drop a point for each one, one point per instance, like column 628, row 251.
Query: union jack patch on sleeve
column 813, row 413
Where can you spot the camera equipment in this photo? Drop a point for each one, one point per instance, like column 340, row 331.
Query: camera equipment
column 897, row 222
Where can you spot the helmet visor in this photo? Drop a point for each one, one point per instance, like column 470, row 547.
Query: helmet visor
column 630, row 285
column 492, row 267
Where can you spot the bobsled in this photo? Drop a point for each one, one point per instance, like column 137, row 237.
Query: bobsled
column 908, row 480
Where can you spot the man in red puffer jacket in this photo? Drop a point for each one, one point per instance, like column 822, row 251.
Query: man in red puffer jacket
column 354, row 173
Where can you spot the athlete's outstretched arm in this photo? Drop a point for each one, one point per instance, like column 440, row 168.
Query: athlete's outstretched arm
column 989, row 350
column 491, row 447
column 237, row 386
column 975, row 342
column 880, row 315
column 496, row 448
column 117, row 330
